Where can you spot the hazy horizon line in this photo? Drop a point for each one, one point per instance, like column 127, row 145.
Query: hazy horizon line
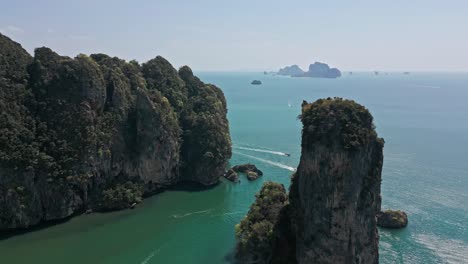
column 344, row 70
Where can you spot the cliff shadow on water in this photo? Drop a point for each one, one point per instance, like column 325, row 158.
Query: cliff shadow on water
column 97, row 133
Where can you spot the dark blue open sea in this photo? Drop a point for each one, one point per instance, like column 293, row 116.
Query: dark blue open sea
column 422, row 116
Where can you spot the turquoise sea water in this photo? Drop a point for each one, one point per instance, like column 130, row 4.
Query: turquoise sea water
column 423, row 118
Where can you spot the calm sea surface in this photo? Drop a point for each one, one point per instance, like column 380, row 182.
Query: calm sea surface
column 423, row 118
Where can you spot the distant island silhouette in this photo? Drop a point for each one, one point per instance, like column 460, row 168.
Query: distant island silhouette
column 316, row 70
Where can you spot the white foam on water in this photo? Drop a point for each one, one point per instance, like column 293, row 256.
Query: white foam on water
column 276, row 164
column 232, row 213
column 150, row 256
column 263, row 150
column 228, row 213
column 424, row 86
column 191, row 213
column 451, row 251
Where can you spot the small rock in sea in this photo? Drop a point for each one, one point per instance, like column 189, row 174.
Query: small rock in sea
column 251, row 175
column 392, row 219
column 231, row 175
column 250, row 170
column 256, row 82
column 247, row 167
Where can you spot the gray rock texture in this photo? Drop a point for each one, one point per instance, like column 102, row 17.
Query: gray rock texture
column 334, row 198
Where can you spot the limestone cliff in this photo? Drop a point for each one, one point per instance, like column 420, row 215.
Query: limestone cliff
column 96, row 132
column 335, row 193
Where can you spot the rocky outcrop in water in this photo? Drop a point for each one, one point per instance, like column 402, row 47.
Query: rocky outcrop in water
column 292, row 70
column 97, row 132
column 252, row 176
column 250, row 170
column 392, row 219
column 244, row 168
column 231, row 175
column 335, row 193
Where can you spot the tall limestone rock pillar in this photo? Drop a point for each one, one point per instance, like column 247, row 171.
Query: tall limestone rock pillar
column 334, row 198
column 335, row 194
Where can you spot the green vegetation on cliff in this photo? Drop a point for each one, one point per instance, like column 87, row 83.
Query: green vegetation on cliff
column 121, row 196
column 16, row 125
column 335, row 118
column 97, row 132
column 206, row 141
column 255, row 233
column 161, row 76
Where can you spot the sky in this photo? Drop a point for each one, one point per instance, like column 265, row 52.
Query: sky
column 250, row 35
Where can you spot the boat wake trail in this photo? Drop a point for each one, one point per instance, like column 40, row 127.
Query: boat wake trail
column 150, row 256
column 263, row 150
column 424, row 86
column 191, row 213
column 276, row 164
column 228, row 213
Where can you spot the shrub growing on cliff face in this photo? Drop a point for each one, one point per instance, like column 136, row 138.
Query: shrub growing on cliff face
column 255, row 232
column 121, row 196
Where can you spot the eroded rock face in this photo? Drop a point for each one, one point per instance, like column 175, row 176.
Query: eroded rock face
column 99, row 133
column 335, row 193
